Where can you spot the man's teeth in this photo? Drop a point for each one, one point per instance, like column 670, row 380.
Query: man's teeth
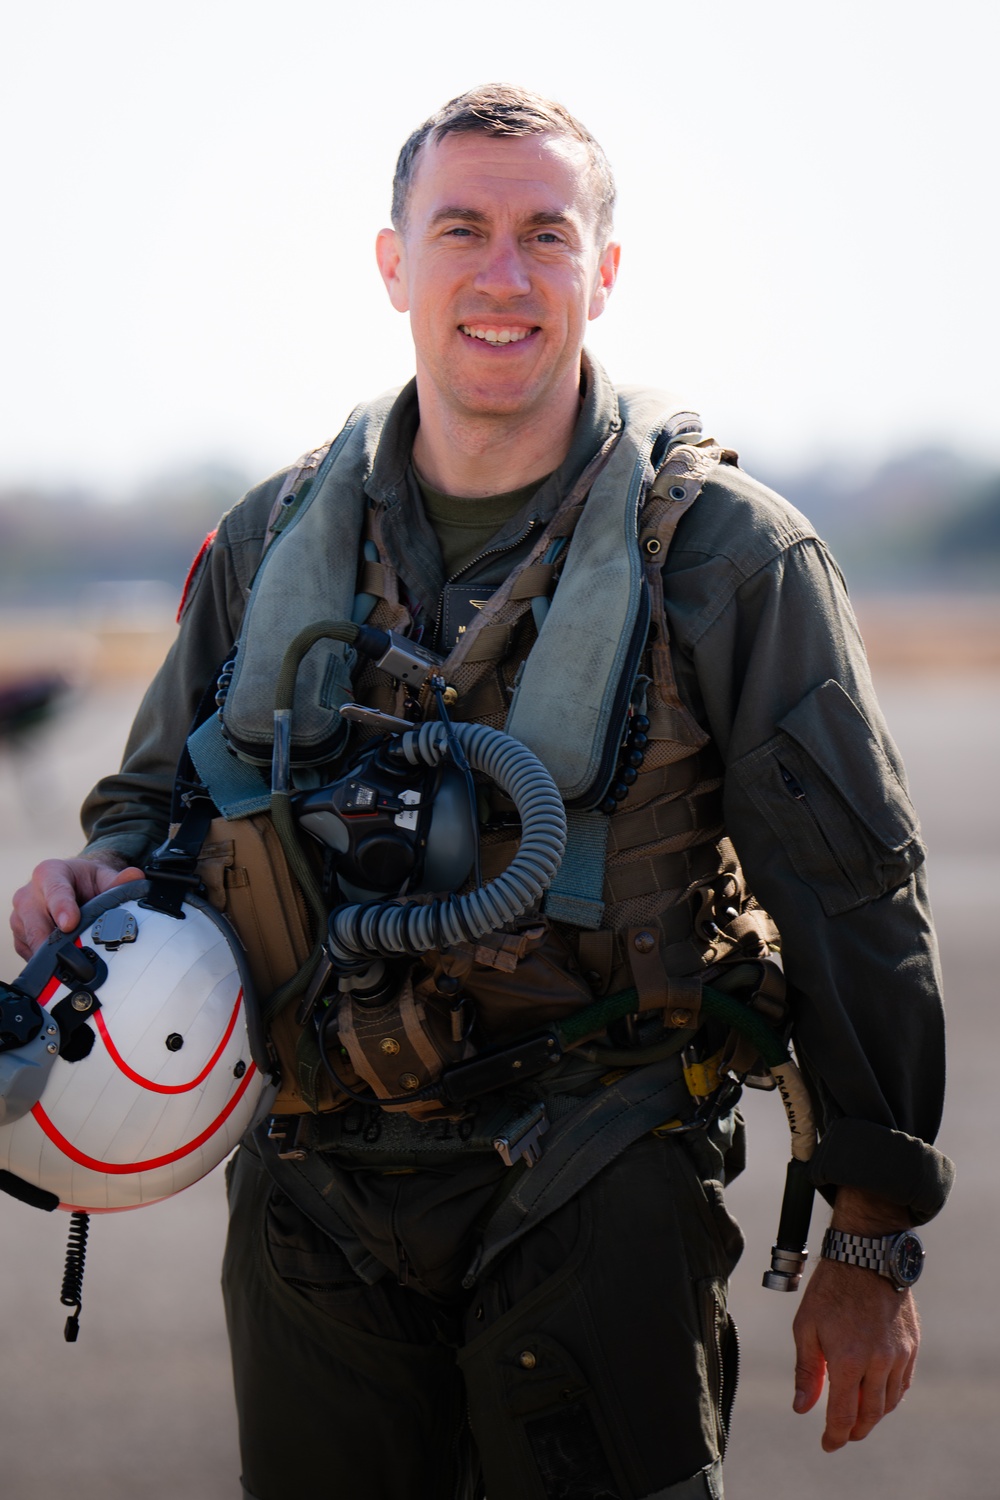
column 496, row 335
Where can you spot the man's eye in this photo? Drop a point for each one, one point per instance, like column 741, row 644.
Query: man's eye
column 460, row 230
column 546, row 237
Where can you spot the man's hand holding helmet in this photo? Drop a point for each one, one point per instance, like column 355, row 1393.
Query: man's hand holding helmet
column 56, row 891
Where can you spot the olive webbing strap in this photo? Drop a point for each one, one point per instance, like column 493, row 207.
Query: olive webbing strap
column 579, row 1146
column 237, row 788
column 575, row 894
column 613, row 1118
column 192, row 809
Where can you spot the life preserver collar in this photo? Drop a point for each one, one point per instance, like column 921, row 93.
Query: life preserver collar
column 582, row 656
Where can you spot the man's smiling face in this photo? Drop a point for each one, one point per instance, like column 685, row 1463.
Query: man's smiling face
column 499, row 269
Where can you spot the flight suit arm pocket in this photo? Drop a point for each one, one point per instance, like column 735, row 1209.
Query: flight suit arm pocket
column 831, row 795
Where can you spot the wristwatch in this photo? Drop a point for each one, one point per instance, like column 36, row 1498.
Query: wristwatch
column 898, row 1257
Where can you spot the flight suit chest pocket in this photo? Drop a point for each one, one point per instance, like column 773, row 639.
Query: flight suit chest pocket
column 827, row 788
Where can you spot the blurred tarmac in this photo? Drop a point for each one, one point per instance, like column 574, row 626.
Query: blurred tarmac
column 141, row 1406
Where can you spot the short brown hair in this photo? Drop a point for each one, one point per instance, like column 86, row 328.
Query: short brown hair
column 503, row 109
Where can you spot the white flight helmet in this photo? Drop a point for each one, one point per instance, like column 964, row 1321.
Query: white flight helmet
column 140, row 1077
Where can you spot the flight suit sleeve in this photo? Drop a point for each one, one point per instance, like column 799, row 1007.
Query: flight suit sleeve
column 817, row 806
column 128, row 812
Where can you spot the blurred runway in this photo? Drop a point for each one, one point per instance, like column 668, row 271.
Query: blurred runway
column 141, row 1406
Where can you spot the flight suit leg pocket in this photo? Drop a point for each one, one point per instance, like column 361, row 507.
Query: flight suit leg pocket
column 539, row 1424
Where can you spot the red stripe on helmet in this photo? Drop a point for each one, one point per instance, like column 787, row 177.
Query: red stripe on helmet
column 166, row 1088
column 113, row 1168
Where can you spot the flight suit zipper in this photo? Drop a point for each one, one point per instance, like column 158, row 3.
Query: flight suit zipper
column 711, row 1314
column 474, row 562
column 722, row 1359
column 798, row 792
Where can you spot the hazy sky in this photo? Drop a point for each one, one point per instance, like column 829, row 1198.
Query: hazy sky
column 191, row 193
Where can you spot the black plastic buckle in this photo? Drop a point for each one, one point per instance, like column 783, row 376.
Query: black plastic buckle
column 500, row 1068
column 168, row 887
column 77, row 967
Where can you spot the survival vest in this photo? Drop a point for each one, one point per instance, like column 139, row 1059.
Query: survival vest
column 650, row 892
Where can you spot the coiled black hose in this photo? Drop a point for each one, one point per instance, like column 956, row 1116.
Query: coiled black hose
column 72, row 1286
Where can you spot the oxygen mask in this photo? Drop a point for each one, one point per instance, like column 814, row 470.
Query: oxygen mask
column 392, row 827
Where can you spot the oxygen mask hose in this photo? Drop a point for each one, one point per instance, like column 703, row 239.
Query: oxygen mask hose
column 392, row 927
column 389, row 927
column 458, row 756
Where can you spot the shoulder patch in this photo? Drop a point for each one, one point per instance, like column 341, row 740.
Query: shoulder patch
column 194, row 571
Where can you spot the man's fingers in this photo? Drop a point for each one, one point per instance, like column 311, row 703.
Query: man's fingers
column 900, row 1380
column 901, row 1365
column 810, row 1369
column 53, row 896
column 895, row 1390
column 60, row 896
column 22, row 945
column 860, row 1396
column 842, row 1405
column 107, row 879
column 48, row 901
column 872, row 1405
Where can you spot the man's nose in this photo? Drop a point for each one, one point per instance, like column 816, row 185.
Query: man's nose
column 503, row 272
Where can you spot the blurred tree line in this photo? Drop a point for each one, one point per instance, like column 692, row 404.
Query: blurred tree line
column 56, row 545
column 929, row 518
column 926, row 519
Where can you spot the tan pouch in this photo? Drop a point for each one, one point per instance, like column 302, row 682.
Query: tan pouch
column 515, row 981
column 487, row 992
column 399, row 1048
column 246, row 875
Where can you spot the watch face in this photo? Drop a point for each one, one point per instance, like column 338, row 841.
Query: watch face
column 906, row 1258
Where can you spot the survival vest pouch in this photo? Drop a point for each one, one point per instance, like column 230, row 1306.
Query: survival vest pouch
column 246, row 875
column 512, row 980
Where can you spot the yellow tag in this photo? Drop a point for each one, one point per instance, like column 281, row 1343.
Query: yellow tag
column 662, row 1130
column 609, row 1078
column 702, row 1078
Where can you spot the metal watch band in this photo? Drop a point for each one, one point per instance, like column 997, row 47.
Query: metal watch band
column 856, row 1249
column 898, row 1257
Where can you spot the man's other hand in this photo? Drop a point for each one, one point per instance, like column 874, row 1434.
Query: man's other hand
column 854, row 1329
column 57, row 890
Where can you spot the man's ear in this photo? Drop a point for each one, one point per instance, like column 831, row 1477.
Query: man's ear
column 391, row 256
column 607, row 274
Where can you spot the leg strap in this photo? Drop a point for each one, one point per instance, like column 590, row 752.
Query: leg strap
column 579, row 1146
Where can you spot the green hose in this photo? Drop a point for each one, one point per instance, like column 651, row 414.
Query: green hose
column 323, row 630
column 715, row 1006
column 281, row 808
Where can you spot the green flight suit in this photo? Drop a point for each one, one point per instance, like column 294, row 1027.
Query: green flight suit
column 768, row 659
